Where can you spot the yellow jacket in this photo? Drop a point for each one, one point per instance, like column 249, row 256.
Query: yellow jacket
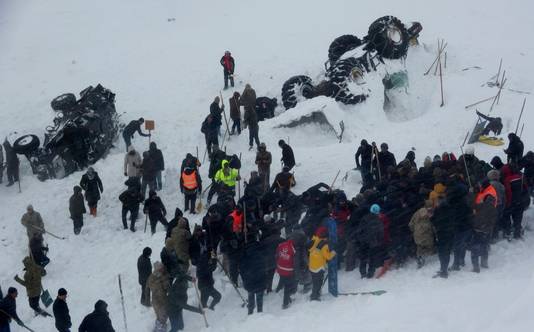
column 320, row 254
column 230, row 179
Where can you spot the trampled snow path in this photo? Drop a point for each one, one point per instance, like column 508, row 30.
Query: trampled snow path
column 169, row 71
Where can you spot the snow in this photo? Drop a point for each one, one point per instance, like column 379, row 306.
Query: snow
column 168, row 71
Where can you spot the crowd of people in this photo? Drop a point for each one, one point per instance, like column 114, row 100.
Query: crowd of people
column 447, row 206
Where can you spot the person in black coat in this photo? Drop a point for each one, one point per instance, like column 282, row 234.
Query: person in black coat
column 288, row 158
column 202, row 256
column 12, row 164
column 149, row 170
column 39, row 250
column 92, row 185
column 178, row 214
column 514, row 152
column 271, row 238
column 252, row 268
column 444, row 226
column 130, row 198
column 383, row 161
column 159, row 162
column 61, row 311
column 98, row 320
column 156, row 211
column 144, row 269
column 169, row 259
column 77, row 209
column 365, row 153
column 210, row 128
column 8, row 310
column 130, row 129
column 177, row 300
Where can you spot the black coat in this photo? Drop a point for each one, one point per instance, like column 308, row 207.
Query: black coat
column 132, row 127
column 76, row 205
column 157, row 156
column 8, row 305
column 366, row 154
column 169, row 260
column 97, row 321
column 216, row 113
column 200, row 251
column 515, row 149
column 288, row 158
column 61, row 314
column 443, row 222
column 149, row 168
column 144, row 268
column 92, row 187
column 130, row 199
column 154, row 207
column 252, row 267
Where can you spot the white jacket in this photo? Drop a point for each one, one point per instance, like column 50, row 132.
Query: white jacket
column 132, row 163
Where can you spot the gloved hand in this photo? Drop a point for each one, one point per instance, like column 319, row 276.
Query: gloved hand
column 125, row 174
column 19, row 322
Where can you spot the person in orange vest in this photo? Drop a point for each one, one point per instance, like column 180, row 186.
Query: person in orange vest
column 285, row 267
column 233, row 240
column 485, row 217
column 190, row 186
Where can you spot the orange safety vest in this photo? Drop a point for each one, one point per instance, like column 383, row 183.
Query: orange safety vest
column 190, row 181
column 488, row 191
column 237, row 222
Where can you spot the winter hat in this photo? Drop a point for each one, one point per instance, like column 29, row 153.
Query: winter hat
column 140, row 120
column 427, row 162
column 158, row 266
column 147, row 251
column 151, row 193
column 375, row 209
column 494, row 175
column 437, row 157
column 77, row 189
column 384, row 146
column 12, row 290
column 178, row 213
column 285, row 169
column 29, row 207
column 281, row 142
column 321, row 231
column 237, row 94
column 263, row 146
column 470, row 150
column 496, row 162
column 61, row 292
column 101, row 306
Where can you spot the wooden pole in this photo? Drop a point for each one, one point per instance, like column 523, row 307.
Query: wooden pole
column 441, row 83
column 520, row 115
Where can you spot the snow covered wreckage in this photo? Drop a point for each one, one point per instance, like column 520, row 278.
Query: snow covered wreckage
column 83, row 132
column 388, row 38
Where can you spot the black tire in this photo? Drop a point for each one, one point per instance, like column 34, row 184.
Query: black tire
column 341, row 45
column 26, row 144
column 300, row 85
column 64, row 102
column 346, row 97
column 388, row 37
column 341, row 70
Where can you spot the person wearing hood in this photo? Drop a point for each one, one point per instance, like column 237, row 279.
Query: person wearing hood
column 514, row 151
column 191, row 187
column 8, row 310
column 235, row 113
column 130, row 129
column 515, row 187
column 177, row 300
column 98, row 320
column 133, row 166
column 423, row 234
column 169, row 258
column 33, row 222
column 319, row 255
column 130, row 199
column 288, row 157
column 61, row 311
column 252, row 270
column 228, row 64
column 144, row 269
column 363, row 157
column 92, row 185
column 77, row 209
column 159, row 162
column 39, row 250
column 494, row 177
column 484, row 220
column 190, row 161
column 33, row 274
column 438, row 192
column 181, row 238
column 409, row 160
column 250, row 118
column 225, row 181
column 158, row 284
column 156, row 211
column 178, row 214
column 264, row 160
column 149, row 171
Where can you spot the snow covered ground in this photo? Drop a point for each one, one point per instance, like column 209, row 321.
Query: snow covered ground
column 167, row 70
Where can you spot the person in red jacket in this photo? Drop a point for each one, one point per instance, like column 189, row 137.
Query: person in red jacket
column 515, row 187
column 285, row 267
column 228, row 64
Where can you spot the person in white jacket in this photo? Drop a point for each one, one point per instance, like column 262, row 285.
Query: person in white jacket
column 132, row 166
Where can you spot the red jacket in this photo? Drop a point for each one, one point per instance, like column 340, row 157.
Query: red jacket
column 385, row 220
column 341, row 215
column 512, row 186
column 285, row 256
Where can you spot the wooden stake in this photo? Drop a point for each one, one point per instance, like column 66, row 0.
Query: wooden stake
column 520, row 115
column 441, row 83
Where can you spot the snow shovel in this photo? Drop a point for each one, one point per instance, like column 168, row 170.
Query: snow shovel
column 21, row 323
column 200, row 206
column 46, row 298
column 200, row 305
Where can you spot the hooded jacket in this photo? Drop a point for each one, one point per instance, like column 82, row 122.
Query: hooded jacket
column 32, row 278
column 132, row 163
column 230, row 179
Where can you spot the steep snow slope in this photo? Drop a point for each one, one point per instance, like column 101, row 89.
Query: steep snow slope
column 168, row 70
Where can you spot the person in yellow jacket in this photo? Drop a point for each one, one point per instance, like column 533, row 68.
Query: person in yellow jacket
column 320, row 254
column 224, row 181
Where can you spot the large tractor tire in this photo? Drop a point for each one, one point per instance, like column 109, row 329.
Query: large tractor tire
column 388, row 37
column 342, row 45
column 295, row 87
column 26, row 144
column 64, row 102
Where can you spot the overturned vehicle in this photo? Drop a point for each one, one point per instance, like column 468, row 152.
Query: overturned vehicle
column 83, row 132
column 387, row 38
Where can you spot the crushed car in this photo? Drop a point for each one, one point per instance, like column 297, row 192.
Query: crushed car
column 83, row 131
column 387, row 38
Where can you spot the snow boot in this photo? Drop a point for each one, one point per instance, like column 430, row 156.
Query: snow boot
column 441, row 274
column 420, row 262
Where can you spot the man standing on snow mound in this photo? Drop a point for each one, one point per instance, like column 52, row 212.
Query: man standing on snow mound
column 130, row 129
column 288, row 158
column 98, row 320
column 228, row 64
column 250, row 119
column 144, row 269
column 365, row 153
column 33, row 222
column 77, row 209
column 515, row 149
column 235, row 113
